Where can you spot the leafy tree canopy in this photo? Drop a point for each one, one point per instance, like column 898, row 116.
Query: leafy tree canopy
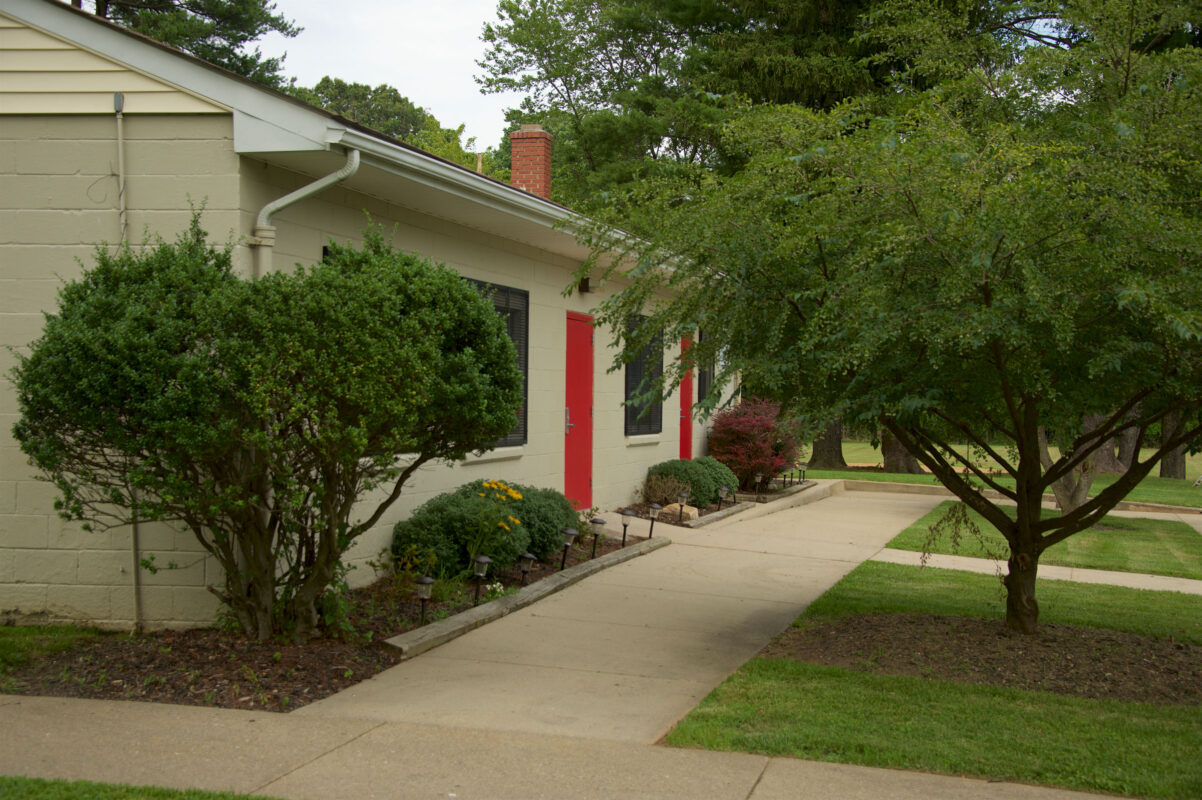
column 383, row 108
column 988, row 262
column 632, row 87
column 259, row 414
column 218, row 31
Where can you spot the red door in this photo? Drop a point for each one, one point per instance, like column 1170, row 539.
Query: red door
column 578, row 412
column 686, row 406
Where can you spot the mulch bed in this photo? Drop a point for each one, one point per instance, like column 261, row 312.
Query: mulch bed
column 1082, row 662
column 214, row 668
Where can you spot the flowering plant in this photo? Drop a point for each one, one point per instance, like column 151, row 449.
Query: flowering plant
column 494, row 515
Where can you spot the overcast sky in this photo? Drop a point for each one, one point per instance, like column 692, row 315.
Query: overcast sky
column 427, row 50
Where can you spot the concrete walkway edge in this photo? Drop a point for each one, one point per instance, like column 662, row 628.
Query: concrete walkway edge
column 427, row 637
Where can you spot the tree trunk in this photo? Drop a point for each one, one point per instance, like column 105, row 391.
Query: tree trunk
column 1104, row 459
column 1127, row 449
column 1173, row 463
column 897, row 457
column 1073, row 489
column 1022, row 610
column 828, row 448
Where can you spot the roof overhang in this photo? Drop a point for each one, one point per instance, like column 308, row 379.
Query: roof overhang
column 280, row 130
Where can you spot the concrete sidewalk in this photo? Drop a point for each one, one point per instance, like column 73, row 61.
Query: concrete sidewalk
column 318, row 758
column 563, row 699
column 1131, row 580
column 626, row 653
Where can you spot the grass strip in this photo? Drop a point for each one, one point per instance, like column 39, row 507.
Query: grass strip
column 21, row 643
column 1126, row 544
column 39, row 789
column 879, row 588
column 1165, row 491
column 782, row 707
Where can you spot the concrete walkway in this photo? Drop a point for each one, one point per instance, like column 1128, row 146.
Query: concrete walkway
column 1131, row 580
column 561, row 700
column 626, row 653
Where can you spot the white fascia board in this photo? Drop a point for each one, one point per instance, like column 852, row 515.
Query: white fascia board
column 452, row 179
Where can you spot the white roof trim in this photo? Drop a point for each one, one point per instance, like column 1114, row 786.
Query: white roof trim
column 267, row 122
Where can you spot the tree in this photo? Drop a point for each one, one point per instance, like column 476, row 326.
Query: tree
column 632, row 87
column 218, row 31
column 277, row 420
column 1004, row 254
column 386, row 110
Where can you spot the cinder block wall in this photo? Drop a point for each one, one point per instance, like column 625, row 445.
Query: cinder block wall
column 65, row 167
column 60, row 200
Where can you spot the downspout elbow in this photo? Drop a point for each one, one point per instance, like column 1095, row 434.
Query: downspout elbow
column 264, row 233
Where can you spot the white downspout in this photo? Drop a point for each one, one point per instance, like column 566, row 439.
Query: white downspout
column 264, row 233
column 135, row 545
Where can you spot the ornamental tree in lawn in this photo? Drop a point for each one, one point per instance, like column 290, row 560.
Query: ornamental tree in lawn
column 998, row 259
column 277, row 420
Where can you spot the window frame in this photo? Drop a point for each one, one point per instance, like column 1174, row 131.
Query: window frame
column 513, row 304
column 645, row 419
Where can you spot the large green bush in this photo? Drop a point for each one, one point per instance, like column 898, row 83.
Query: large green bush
column 256, row 413
column 721, row 474
column 703, row 488
column 449, row 524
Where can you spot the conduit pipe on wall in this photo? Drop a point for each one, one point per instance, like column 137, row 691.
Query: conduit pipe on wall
column 264, row 233
column 135, row 546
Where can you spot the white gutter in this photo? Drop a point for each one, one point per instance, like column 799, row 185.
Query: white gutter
column 454, row 180
column 264, row 233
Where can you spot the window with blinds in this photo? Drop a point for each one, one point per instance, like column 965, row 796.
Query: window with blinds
column 647, row 416
column 514, row 307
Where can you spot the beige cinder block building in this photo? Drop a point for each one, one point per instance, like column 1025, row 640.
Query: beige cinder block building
column 106, row 135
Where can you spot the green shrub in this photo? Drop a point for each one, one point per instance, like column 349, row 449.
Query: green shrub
column 721, row 474
column 449, row 523
column 703, row 489
column 544, row 514
column 662, row 489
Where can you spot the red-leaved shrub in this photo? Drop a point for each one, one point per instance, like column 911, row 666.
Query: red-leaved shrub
column 750, row 438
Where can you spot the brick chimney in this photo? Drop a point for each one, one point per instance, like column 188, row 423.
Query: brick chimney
column 530, row 161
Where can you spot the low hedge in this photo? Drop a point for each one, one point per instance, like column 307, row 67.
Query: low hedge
column 719, row 472
column 448, row 523
column 703, row 488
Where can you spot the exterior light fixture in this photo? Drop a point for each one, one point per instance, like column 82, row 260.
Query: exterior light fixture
column 569, row 535
column 681, row 500
column 722, row 492
column 480, row 568
column 598, row 526
column 626, row 515
column 425, row 587
column 526, row 562
column 759, row 478
column 654, row 512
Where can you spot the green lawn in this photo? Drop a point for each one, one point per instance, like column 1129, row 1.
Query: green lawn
column 38, row 789
column 20, row 643
column 1156, row 546
column 779, row 707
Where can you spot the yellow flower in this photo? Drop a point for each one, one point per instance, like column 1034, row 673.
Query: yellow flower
column 515, row 520
column 481, row 494
column 503, row 525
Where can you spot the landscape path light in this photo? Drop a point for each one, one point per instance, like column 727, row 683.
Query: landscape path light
column 425, row 587
column 526, row 562
column 723, row 491
column 480, row 568
column 569, row 535
column 626, row 515
column 759, row 478
column 681, row 499
column 598, row 526
column 654, row 510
